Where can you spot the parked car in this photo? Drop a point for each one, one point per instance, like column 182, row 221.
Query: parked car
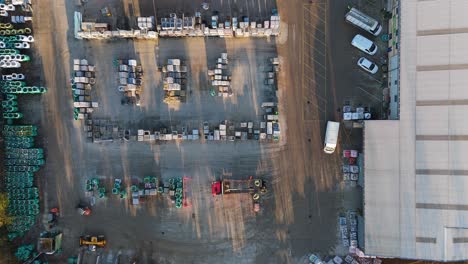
column 367, row 65
column 364, row 44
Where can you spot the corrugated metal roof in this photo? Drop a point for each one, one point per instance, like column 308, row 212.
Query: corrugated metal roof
column 416, row 180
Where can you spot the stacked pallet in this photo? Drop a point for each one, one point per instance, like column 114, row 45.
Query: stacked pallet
column 220, row 79
column 82, row 82
column 271, row 118
column 102, row 130
column 272, row 72
column 175, row 73
column 145, row 135
column 187, row 26
column 130, row 81
column 145, row 23
column 353, row 227
column 350, row 166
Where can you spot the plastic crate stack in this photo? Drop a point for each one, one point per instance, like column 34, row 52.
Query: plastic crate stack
column 353, row 227
column 175, row 73
column 350, row 167
column 344, row 231
column 21, row 161
column 94, row 186
column 220, row 79
column 176, row 191
column 82, row 82
column 118, row 189
column 130, row 81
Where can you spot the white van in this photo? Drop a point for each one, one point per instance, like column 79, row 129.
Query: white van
column 364, row 44
column 359, row 19
column 331, row 137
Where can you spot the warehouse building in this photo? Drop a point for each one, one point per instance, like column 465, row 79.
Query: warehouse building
column 416, row 168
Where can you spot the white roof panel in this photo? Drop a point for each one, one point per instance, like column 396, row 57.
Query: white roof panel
column 432, row 85
column 458, row 48
column 428, row 186
column 458, row 11
column 432, row 155
column 383, row 166
column 433, row 15
column 432, row 120
column 430, row 50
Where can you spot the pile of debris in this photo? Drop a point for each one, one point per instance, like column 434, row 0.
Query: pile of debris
column 130, row 81
column 220, row 79
column 175, row 73
column 82, row 82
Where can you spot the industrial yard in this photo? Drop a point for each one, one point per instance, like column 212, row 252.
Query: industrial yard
column 139, row 129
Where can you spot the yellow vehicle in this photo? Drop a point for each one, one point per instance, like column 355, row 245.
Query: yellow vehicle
column 98, row 241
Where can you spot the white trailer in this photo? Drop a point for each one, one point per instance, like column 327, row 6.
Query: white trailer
column 331, row 137
column 363, row 21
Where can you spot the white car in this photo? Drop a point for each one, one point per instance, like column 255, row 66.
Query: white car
column 367, row 65
column 364, row 44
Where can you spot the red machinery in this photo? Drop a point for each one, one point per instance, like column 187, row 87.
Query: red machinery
column 252, row 186
column 52, row 217
column 255, row 187
column 83, row 209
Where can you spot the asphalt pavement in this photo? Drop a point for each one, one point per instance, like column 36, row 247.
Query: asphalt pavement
column 318, row 75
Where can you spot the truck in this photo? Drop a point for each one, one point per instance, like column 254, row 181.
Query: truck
column 331, row 137
column 49, row 243
column 363, row 21
column 252, row 186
